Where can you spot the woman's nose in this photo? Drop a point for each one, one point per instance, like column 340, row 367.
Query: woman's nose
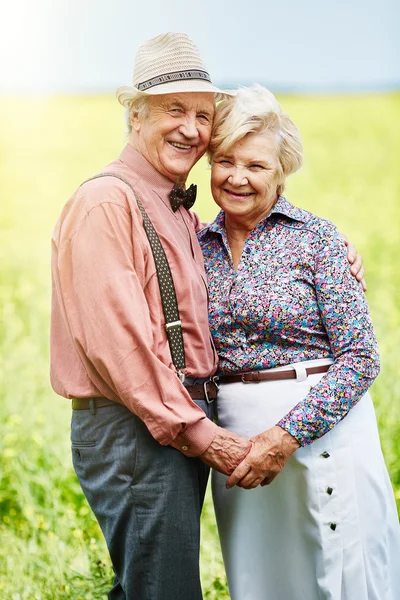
column 237, row 178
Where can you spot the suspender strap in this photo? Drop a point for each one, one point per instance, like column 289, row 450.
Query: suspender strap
column 165, row 281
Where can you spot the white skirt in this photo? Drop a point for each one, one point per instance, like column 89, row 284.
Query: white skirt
column 326, row 528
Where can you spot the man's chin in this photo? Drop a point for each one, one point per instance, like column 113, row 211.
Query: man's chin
column 179, row 171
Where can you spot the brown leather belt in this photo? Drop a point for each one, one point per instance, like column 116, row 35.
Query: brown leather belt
column 198, row 391
column 203, row 391
column 257, row 376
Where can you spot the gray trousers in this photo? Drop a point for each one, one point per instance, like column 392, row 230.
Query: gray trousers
column 147, row 499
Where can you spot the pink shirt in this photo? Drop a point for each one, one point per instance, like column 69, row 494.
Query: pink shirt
column 107, row 328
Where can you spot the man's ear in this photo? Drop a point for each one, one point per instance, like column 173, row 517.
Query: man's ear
column 135, row 121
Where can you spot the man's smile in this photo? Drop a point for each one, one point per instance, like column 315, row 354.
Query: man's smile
column 180, row 146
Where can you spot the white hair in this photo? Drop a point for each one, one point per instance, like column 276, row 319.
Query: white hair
column 255, row 110
column 138, row 103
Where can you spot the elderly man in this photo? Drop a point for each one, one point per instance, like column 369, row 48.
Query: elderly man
column 138, row 429
column 130, row 344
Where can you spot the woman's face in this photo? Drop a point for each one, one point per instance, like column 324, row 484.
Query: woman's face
column 244, row 180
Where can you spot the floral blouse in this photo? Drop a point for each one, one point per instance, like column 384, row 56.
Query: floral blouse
column 292, row 299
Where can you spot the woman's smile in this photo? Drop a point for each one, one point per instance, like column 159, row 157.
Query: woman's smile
column 238, row 195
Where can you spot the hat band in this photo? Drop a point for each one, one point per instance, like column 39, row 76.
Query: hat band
column 176, row 76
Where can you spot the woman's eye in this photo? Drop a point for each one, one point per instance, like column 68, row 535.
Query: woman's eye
column 176, row 111
column 256, row 167
column 203, row 118
column 225, row 163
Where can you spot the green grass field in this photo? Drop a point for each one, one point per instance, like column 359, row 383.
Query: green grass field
column 51, row 547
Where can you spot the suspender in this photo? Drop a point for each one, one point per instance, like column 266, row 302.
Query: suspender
column 169, row 302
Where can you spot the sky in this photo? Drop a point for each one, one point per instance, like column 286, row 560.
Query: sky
column 68, row 46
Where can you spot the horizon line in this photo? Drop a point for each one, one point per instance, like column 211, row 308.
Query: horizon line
column 279, row 88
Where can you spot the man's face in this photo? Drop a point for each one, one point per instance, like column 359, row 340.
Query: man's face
column 175, row 132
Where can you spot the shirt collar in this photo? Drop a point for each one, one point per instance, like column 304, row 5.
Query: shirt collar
column 145, row 170
column 286, row 208
column 282, row 207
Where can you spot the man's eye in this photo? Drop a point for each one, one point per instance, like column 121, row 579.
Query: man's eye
column 204, row 118
column 225, row 163
column 176, row 110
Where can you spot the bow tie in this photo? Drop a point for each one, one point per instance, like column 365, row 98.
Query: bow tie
column 180, row 197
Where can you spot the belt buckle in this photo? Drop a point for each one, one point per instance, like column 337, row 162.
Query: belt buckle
column 255, row 377
column 213, row 380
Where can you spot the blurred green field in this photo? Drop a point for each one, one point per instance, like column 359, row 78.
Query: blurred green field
column 50, row 545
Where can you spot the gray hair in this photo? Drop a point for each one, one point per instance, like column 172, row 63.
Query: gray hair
column 255, row 110
column 138, row 103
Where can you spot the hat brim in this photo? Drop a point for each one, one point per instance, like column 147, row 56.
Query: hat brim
column 126, row 93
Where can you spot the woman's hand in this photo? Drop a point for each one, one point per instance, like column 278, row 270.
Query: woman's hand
column 357, row 268
column 266, row 459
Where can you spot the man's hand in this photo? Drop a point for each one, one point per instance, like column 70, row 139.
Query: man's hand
column 356, row 269
column 269, row 453
column 226, row 451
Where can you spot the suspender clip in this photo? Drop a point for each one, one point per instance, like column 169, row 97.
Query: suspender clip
column 173, row 324
column 181, row 376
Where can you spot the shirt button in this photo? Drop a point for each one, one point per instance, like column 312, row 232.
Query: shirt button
column 325, row 454
column 184, row 448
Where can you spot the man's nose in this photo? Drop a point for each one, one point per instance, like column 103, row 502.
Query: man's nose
column 189, row 128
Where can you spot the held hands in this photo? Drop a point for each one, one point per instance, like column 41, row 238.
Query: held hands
column 357, row 268
column 226, row 451
column 269, row 452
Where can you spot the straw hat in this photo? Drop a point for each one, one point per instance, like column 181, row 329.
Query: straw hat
column 169, row 63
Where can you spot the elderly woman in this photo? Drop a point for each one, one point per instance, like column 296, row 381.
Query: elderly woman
column 297, row 355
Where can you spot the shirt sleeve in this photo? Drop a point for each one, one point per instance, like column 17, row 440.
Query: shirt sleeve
column 345, row 315
column 110, row 324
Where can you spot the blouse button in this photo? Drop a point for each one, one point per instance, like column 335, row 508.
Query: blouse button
column 325, row 454
column 332, row 526
column 329, row 490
